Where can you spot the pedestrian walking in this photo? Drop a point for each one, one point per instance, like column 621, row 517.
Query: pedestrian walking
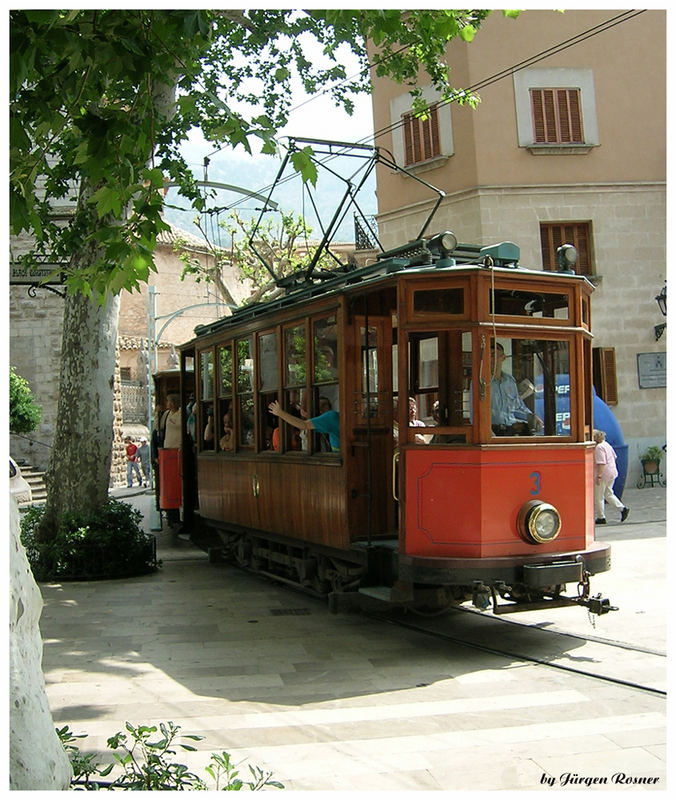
column 143, row 453
column 605, row 472
column 132, row 462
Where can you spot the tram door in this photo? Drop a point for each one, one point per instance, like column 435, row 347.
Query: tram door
column 371, row 443
column 435, row 429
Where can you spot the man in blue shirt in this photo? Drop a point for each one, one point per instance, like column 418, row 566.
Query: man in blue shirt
column 509, row 414
column 327, row 423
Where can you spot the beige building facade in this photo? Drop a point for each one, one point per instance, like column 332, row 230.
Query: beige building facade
column 569, row 140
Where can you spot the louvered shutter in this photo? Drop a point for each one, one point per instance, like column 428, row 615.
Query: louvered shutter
column 422, row 139
column 554, row 234
column 557, row 116
column 605, row 374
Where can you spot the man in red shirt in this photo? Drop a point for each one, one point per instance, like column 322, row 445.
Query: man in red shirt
column 132, row 462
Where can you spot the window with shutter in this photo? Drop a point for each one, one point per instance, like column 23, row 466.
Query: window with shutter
column 605, row 374
column 421, row 137
column 557, row 117
column 554, row 234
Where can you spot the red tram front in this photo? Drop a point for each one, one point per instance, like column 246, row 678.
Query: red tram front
column 465, row 465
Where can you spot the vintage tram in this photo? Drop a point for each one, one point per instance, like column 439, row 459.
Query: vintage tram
column 431, row 497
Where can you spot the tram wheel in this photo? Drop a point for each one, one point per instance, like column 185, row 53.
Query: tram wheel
column 242, row 551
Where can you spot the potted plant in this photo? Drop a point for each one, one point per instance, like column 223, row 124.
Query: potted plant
column 650, row 458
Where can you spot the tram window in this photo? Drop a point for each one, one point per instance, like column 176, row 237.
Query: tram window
column 268, row 371
column 225, row 371
column 369, row 369
column 528, row 303
column 439, row 301
column 245, row 385
column 267, row 344
column 224, row 416
column 245, row 365
column 325, row 375
column 296, row 440
column 295, row 356
column 207, row 374
column 226, row 438
column 530, row 388
column 206, row 362
column 439, row 381
column 326, row 399
column 325, row 346
column 246, row 421
column 267, row 422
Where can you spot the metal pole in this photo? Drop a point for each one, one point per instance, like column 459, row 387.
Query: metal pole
column 151, row 334
column 155, row 515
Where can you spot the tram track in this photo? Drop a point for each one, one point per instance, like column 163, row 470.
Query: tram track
column 546, row 647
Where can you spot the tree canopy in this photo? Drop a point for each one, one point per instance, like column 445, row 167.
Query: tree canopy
column 261, row 252
column 104, row 98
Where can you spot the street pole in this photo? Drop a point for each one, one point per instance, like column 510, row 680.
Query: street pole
column 151, row 360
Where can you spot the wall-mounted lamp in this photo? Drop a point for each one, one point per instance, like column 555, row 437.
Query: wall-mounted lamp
column 661, row 300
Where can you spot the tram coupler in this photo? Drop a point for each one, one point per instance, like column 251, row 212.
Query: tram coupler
column 597, row 604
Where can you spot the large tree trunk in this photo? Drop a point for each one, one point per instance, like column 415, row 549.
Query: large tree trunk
column 78, row 474
column 36, row 758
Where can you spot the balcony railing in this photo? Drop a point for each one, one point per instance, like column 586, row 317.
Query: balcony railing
column 366, row 232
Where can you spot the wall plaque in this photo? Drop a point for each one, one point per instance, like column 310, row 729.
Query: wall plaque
column 652, row 370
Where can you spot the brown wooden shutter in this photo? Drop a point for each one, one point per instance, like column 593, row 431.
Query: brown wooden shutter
column 554, row 234
column 407, row 120
column 422, row 139
column 557, row 116
column 605, row 374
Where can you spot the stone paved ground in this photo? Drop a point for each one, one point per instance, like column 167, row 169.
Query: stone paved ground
column 335, row 702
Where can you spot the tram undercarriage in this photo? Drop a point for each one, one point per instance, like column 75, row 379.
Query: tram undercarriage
column 367, row 573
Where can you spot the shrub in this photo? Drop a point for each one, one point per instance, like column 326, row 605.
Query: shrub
column 107, row 542
column 24, row 413
column 145, row 763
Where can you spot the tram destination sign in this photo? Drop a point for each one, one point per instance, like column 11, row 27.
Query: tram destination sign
column 652, row 370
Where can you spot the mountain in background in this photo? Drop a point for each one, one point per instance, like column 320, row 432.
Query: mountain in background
column 257, row 173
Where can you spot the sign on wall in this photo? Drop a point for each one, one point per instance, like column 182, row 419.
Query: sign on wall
column 652, row 370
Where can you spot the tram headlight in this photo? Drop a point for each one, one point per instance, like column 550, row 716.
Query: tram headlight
column 538, row 522
column 443, row 243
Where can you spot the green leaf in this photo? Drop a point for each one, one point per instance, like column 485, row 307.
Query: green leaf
column 467, row 33
column 303, row 163
column 107, row 200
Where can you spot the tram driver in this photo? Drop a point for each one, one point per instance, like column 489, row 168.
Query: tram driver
column 510, row 416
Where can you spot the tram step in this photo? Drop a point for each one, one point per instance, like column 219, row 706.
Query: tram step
column 377, row 592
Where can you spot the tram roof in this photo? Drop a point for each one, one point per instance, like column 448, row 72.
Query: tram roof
column 465, row 257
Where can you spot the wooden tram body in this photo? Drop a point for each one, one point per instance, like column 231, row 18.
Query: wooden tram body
column 425, row 513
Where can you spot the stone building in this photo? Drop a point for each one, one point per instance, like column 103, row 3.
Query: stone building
column 566, row 146
column 36, row 318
